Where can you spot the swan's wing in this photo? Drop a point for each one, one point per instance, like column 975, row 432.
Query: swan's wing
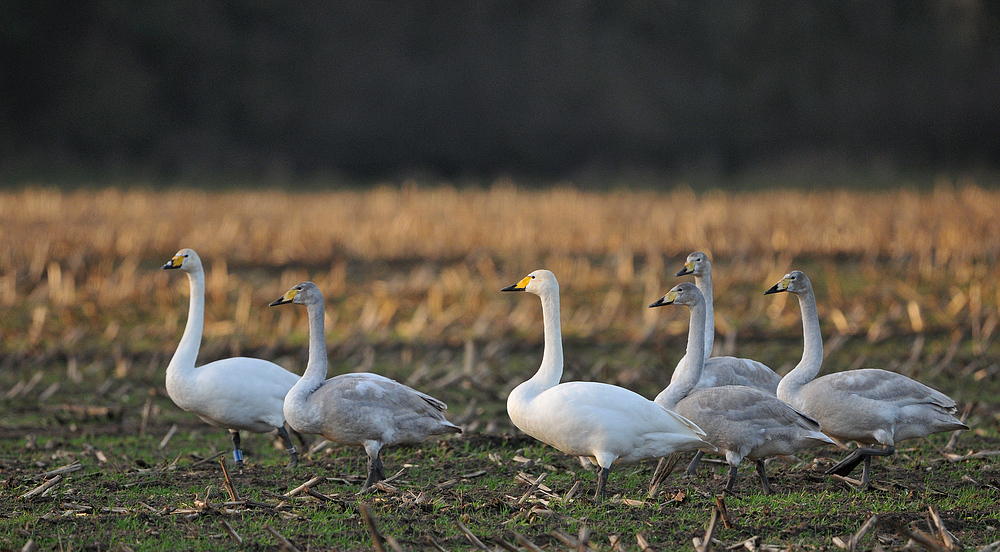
column 604, row 421
column 371, row 393
column 887, row 388
column 354, row 408
column 804, row 420
column 744, row 405
column 239, row 393
column 721, row 371
column 878, row 406
column 616, row 405
column 436, row 403
column 748, row 421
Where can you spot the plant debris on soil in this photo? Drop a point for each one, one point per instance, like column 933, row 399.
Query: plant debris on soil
column 137, row 480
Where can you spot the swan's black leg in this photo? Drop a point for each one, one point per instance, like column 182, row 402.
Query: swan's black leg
column 379, row 472
column 374, row 471
column 731, row 485
column 763, row 478
column 238, row 451
column 866, row 475
column 602, row 480
column 693, row 466
column 859, row 455
column 293, row 454
column 847, row 465
column 299, row 436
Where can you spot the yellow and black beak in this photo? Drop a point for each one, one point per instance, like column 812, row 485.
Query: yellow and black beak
column 286, row 298
column 667, row 299
column 688, row 269
column 518, row 286
column 175, row 262
column 780, row 286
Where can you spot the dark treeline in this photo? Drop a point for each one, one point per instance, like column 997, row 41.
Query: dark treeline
column 191, row 87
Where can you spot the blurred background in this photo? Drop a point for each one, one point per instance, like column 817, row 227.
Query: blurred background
column 129, row 130
column 412, row 158
column 813, row 92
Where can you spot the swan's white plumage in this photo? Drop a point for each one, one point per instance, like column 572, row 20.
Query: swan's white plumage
column 235, row 393
column 601, row 421
column 360, row 409
column 743, row 422
column 725, row 370
column 605, row 423
column 869, row 406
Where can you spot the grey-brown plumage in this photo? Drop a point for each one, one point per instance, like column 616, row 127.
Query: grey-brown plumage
column 359, row 409
column 721, row 370
column 869, row 406
column 741, row 421
column 746, row 423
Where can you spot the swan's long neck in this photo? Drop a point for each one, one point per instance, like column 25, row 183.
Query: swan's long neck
column 550, row 372
column 704, row 284
column 182, row 362
column 688, row 372
column 316, row 368
column 812, row 351
column 298, row 411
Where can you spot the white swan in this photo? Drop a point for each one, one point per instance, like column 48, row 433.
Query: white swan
column 234, row 393
column 868, row 406
column 361, row 409
column 602, row 422
column 725, row 370
column 741, row 421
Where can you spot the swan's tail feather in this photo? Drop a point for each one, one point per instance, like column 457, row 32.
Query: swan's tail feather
column 437, row 404
column 688, row 423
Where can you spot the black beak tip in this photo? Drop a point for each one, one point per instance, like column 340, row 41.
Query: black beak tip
column 683, row 272
column 276, row 303
column 658, row 303
column 512, row 288
column 168, row 266
column 774, row 289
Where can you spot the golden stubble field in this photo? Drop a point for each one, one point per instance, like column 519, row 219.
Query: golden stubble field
column 79, row 270
column 417, row 270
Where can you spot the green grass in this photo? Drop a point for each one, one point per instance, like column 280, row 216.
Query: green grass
column 432, row 496
column 39, row 434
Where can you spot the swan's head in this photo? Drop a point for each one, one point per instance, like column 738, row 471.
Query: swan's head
column 538, row 282
column 185, row 259
column 697, row 264
column 794, row 282
column 304, row 294
column 681, row 294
